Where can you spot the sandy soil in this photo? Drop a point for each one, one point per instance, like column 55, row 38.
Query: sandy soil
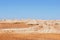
column 33, row 35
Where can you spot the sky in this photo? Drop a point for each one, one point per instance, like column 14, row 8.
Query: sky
column 33, row 9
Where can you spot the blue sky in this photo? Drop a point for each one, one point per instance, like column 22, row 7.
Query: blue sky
column 35, row 9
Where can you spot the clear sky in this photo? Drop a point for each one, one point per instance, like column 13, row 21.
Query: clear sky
column 35, row 9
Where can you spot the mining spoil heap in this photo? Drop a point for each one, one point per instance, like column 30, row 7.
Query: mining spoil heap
column 30, row 29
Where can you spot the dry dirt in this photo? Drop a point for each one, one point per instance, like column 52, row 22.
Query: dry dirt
column 28, row 36
column 32, row 36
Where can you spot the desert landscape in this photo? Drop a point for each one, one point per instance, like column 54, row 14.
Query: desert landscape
column 30, row 29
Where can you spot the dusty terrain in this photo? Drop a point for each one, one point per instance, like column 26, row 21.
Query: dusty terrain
column 30, row 30
column 33, row 36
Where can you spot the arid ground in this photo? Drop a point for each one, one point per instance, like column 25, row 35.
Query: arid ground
column 40, row 35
